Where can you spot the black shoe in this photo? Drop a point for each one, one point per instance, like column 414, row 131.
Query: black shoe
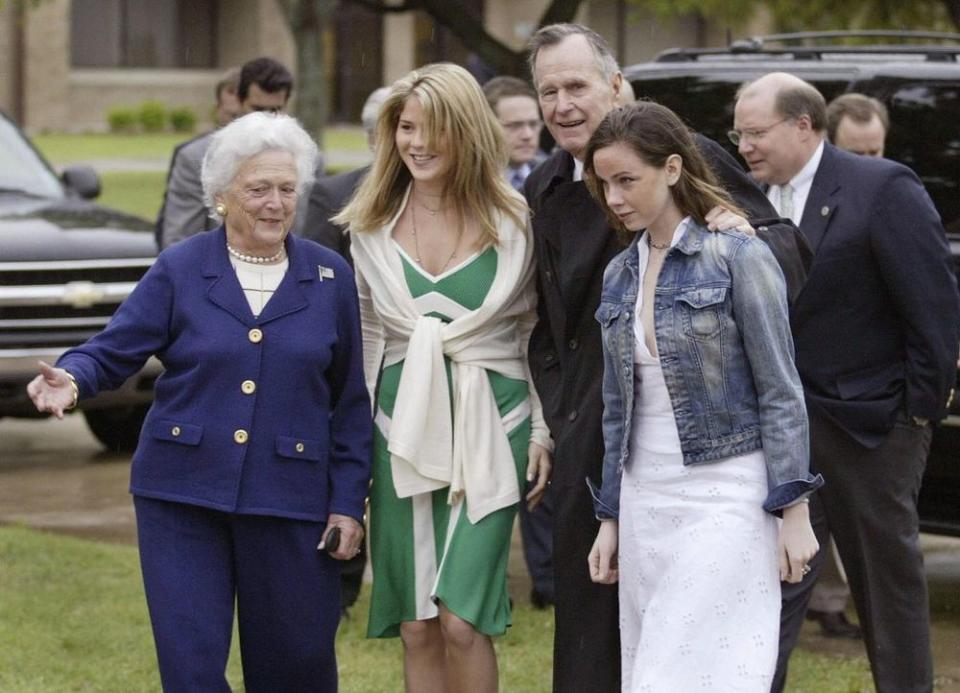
column 834, row 624
column 539, row 600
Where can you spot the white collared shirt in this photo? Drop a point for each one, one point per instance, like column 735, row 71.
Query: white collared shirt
column 801, row 184
column 577, row 170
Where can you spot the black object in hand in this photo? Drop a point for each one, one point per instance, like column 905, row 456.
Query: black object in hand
column 333, row 540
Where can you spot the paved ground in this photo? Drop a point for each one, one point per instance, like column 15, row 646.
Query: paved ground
column 54, row 476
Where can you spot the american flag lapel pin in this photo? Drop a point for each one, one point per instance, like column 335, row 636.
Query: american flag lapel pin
column 325, row 272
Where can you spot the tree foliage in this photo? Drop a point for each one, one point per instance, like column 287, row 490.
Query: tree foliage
column 308, row 20
column 813, row 15
column 453, row 15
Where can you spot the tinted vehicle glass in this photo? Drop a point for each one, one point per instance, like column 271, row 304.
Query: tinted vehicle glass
column 706, row 103
column 21, row 169
column 925, row 135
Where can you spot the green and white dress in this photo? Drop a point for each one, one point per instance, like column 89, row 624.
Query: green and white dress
column 425, row 550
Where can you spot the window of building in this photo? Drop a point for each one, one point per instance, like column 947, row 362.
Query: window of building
column 143, row 33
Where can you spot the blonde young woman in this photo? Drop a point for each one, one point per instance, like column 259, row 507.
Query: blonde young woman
column 444, row 269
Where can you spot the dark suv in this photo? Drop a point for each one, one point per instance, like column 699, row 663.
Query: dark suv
column 920, row 85
column 65, row 265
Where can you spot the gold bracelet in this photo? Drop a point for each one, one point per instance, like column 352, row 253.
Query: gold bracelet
column 76, row 391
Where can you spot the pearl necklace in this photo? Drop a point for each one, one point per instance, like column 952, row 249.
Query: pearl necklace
column 256, row 259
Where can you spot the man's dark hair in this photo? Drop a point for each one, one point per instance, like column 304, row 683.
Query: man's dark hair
column 267, row 74
column 859, row 108
column 505, row 87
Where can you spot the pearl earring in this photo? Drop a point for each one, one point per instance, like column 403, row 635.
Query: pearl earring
column 220, row 209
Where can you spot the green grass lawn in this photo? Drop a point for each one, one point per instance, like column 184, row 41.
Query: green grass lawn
column 63, row 148
column 136, row 192
column 73, row 618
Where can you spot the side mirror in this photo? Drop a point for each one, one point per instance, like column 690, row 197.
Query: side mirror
column 82, row 181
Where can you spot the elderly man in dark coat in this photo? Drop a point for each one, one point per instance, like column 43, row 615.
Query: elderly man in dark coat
column 577, row 82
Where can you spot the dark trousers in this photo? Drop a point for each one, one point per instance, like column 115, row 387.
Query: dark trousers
column 869, row 503
column 586, row 645
column 536, row 530
column 197, row 563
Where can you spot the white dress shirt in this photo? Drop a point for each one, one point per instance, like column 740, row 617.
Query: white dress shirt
column 801, row 184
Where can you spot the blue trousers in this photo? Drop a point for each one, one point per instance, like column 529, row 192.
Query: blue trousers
column 536, row 532
column 197, row 563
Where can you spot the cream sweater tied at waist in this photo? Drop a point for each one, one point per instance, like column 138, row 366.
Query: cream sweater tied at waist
column 435, row 442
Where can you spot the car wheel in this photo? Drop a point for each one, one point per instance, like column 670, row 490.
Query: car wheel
column 117, row 428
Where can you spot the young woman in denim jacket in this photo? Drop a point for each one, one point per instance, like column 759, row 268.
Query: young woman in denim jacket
column 704, row 420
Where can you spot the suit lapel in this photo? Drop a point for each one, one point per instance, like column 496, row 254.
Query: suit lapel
column 822, row 200
column 289, row 296
column 224, row 290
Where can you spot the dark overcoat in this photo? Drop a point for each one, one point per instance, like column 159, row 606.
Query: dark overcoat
column 573, row 244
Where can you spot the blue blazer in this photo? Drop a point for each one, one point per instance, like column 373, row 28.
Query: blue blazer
column 266, row 416
column 877, row 323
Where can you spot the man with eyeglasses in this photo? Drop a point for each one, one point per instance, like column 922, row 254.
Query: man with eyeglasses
column 265, row 85
column 876, row 334
column 514, row 103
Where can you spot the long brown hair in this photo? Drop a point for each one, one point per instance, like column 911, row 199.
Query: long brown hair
column 455, row 112
column 654, row 133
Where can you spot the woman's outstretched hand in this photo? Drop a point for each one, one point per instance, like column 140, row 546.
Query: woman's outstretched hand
column 604, row 566
column 51, row 391
column 797, row 543
column 539, row 464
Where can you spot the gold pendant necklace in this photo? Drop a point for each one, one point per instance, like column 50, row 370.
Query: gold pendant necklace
column 416, row 242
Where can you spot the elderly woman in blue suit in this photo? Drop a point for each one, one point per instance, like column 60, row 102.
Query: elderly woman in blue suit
column 258, row 442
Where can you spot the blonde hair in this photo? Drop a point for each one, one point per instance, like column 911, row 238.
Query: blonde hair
column 457, row 115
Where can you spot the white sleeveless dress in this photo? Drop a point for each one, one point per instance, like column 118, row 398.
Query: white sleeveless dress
column 699, row 576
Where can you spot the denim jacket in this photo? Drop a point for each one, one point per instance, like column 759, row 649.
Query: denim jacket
column 723, row 336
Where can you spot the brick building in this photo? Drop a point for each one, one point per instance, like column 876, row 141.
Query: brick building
column 65, row 63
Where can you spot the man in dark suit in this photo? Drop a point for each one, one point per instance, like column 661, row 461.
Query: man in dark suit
column 876, row 331
column 514, row 103
column 330, row 194
column 578, row 83
column 265, row 85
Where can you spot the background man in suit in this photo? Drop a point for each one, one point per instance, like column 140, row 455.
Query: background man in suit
column 876, row 330
column 228, row 103
column 514, row 102
column 330, row 194
column 265, row 85
column 858, row 123
column 578, row 82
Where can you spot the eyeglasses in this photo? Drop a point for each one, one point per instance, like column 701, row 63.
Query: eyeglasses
column 518, row 125
column 752, row 135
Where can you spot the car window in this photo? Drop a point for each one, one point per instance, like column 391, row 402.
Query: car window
column 21, row 168
column 925, row 136
column 706, row 103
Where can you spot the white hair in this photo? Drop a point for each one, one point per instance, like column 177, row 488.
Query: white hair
column 371, row 108
column 248, row 136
